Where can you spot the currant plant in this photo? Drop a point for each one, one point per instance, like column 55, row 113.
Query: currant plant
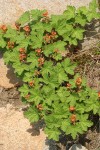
column 54, row 92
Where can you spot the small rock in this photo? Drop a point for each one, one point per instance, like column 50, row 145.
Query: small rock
column 77, row 147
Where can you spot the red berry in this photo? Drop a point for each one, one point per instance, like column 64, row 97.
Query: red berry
column 38, row 51
column 26, row 28
column 53, row 33
column 27, row 96
column 40, row 107
column 68, row 85
column 72, row 108
column 78, row 81
column 4, row 28
column 17, row 25
column 99, row 94
column 10, row 44
column 22, row 50
column 45, row 14
column 73, row 118
column 31, row 83
column 22, row 56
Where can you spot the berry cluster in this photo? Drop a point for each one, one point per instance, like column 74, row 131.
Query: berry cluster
column 10, row 45
column 99, row 95
column 50, row 37
column 73, row 119
column 41, row 61
column 38, row 51
column 3, row 28
column 40, row 107
column 27, row 28
column 31, row 83
column 22, row 55
column 17, row 25
column 45, row 17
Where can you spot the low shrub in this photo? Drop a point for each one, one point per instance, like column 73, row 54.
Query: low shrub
column 53, row 90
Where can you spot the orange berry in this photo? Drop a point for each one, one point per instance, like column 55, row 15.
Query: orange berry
column 99, row 94
column 39, row 59
column 4, row 28
column 53, row 33
column 38, row 51
column 27, row 96
column 37, row 72
column 78, row 81
column 17, row 25
column 72, row 108
column 22, row 50
column 31, row 83
column 26, row 28
column 40, row 107
column 47, row 38
column 10, row 44
column 73, row 118
column 45, row 14
column 68, row 85
column 23, row 55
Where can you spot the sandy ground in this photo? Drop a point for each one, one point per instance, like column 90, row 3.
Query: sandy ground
column 10, row 10
column 16, row 132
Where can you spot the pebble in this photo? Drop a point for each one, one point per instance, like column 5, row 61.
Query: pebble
column 77, row 147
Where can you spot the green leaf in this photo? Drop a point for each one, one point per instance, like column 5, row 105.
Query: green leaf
column 84, row 123
column 36, row 14
column 36, row 95
column 25, row 42
column 55, row 19
column 73, row 41
column 28, row 76
column 36, row 39
column 11, row 34
column 24, row 90
column 93, row 15
column 62, row 29
column 2, row 42
column 47, row 27
column 25, row 18
column 38, row 26
column 47, row 67
column 52, row 133
column 61, row 75
column 70, row 12
column 57, row 56
column 93, row 5
column 60, row 45
column 73, row 130
column 50, row 80
column 32, row 114
column 65, row 125
column 68, row 66
column 33, row 60
column 81, row 19
column 78, row 33
column 83, row 10
column 51, row 97
column 63, row 94
column 48, row 49
column 20, row 68
column 20, row 37
column 80, row 108
column 11, row 56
